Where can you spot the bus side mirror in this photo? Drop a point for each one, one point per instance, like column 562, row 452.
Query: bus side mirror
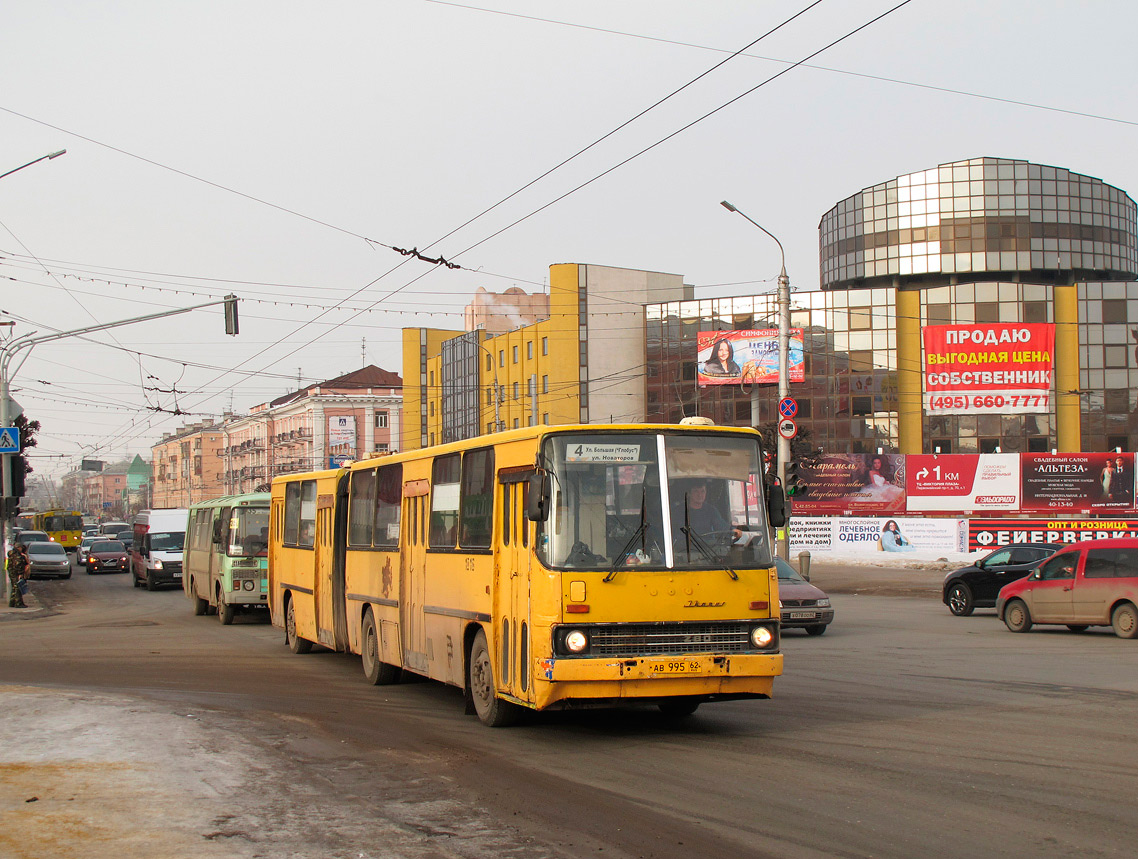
column 537, row 498
column 776, row 506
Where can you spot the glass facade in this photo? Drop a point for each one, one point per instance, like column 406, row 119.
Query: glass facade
column 984, row 240
column 849, row 399
column 459, row 370
column 984, row 218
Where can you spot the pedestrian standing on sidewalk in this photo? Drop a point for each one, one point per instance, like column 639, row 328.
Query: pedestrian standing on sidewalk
column 17, row 572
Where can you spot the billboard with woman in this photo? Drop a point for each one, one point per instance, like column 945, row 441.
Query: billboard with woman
column 747, row 357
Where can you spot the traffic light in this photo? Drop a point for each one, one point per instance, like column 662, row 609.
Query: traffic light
column 231, row 314
column 19, row 475
column 795, row 487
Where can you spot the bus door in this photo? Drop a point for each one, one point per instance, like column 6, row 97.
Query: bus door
column 324, row 598
column 512, row 583
column 217, row 553
column 412, row 578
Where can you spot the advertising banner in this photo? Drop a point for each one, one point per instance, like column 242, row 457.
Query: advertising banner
column 342, row 431
column 852, row 483
column 862, row 536
column 751, row 357
column 991, row 533
column 962, row 482
column 1077, row 482
column 998, row 368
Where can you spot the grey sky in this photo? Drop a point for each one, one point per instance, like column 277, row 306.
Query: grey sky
column 398, row 121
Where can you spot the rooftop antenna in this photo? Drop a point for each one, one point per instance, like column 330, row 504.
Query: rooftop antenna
column 363, row 351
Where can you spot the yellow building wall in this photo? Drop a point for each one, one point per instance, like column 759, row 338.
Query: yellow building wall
column 420, row 397
column 547, row 350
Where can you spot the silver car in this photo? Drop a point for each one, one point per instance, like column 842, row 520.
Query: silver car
column 83, row 548
column 48, row 559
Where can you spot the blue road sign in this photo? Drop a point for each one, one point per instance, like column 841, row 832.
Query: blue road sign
column 788, row 407
column 9, row 440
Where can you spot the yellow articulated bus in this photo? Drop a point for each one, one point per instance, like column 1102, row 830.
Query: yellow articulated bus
column 548, row 567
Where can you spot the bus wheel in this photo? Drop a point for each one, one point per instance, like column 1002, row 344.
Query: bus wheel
column 492, row 710
column 678, row 708
column 201, row 606
column 378, row 673
column 150, row 585
column 295, row 643
column 225, row 612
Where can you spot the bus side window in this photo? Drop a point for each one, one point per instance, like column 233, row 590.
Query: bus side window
column 507, row 491
column 445, row 492
column 292, row 514
column 388, row 505
column 477, row 499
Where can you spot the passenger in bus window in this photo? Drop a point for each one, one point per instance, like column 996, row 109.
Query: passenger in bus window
column 308, row 533
column 255, row 544
column 702, row 517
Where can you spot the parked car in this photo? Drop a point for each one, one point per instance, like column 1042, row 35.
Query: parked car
column 83, row 547
column 107, row 556
column 48, row 559
column 29, row 537
column 803, row 605
column 978, row 584
column 1093, row 583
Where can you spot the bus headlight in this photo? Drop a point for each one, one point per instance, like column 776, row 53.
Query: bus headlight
column 157, row 565
column 762, row 637
column 576, row 641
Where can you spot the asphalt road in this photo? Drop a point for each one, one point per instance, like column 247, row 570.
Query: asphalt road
column 142, row 730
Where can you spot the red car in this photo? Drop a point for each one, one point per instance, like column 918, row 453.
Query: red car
column 1093, row 583
column 107, row 556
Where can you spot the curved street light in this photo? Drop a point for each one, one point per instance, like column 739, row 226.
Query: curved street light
column 37, row 161
column 783, row 365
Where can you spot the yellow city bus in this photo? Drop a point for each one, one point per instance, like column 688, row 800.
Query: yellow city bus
column 62, row 526
column 547, row 567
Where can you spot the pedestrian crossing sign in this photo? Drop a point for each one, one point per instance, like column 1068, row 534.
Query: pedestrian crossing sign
column 9, row 440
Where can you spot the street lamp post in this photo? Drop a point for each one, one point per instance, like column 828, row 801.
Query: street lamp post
column 37, row 161
column 24, row 344
column 783, row 368
column 497, row 387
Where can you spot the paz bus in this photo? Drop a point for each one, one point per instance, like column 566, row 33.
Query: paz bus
column 544, row 567
column 226, row 559
column 62, row 526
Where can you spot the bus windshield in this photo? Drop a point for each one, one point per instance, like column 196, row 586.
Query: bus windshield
column 667, row 501
column 249, row 532
column 63, row 523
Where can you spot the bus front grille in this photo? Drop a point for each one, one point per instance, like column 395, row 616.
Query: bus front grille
column 658, row 639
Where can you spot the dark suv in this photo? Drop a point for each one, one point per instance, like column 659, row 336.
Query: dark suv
column 977, row 585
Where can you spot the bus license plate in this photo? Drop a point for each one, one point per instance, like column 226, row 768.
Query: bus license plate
column 802, row 615
column 177, row 575
column 677, row 666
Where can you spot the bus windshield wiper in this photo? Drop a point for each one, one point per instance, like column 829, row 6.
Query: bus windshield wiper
column 641, row 529
column 705, row 550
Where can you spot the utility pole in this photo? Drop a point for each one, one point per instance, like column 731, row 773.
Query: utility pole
column 783, row 371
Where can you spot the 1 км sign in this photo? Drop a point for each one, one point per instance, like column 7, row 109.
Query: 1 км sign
column 1000, row 368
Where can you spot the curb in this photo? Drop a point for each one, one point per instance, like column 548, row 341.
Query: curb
column 34, row 609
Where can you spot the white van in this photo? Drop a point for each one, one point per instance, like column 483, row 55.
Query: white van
column 111, row 529
column 156, row 554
